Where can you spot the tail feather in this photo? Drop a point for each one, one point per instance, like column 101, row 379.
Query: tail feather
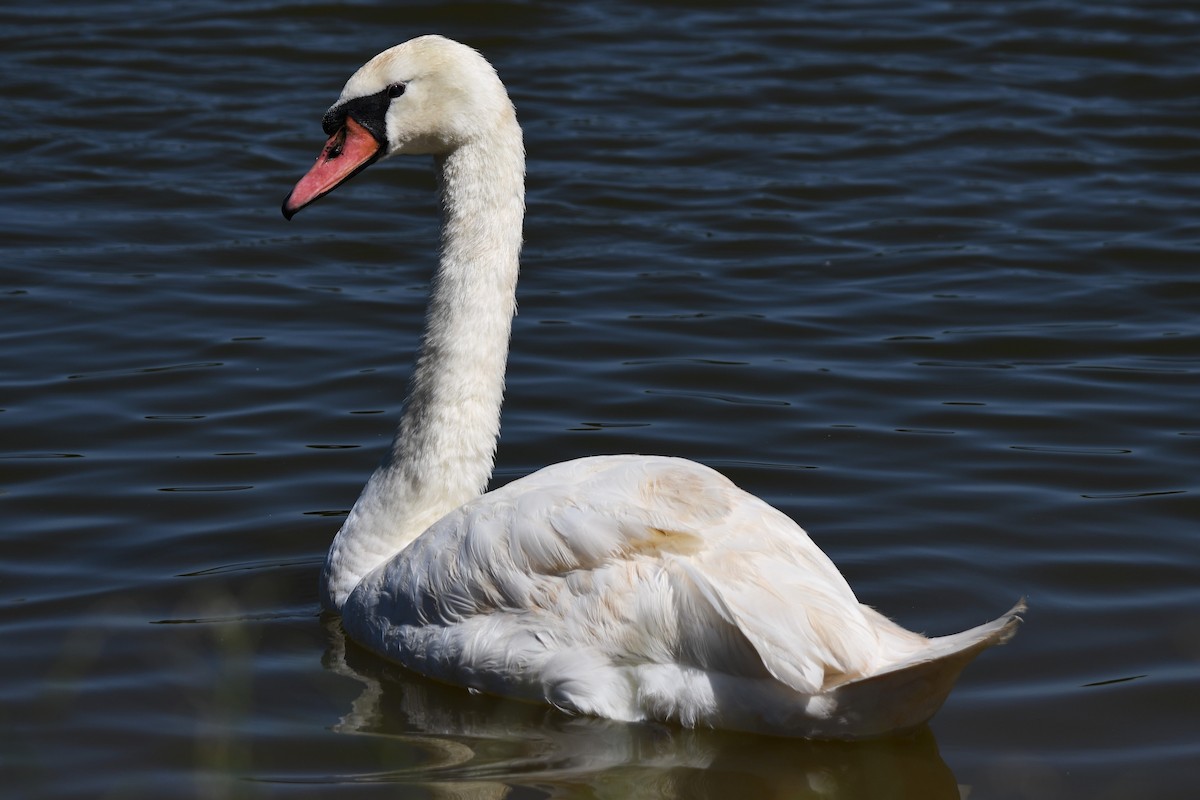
column 967, row 644
column 909, row 692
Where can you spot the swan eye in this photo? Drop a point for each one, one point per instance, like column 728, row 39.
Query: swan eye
column 395, row 90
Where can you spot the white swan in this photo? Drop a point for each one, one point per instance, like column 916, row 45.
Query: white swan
column 628, row 587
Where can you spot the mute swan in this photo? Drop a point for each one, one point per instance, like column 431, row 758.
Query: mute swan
column 629, row 587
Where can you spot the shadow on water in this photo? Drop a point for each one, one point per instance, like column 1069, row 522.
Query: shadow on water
column 456, row 744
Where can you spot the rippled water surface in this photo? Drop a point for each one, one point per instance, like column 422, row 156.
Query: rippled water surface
column 923, row 275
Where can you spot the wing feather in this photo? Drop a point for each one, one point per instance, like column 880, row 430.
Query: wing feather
column 629, row 560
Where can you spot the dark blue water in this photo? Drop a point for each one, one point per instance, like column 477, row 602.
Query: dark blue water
column 923, row 275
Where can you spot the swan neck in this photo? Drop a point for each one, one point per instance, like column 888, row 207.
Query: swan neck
column 444, row 449
column 447, row 437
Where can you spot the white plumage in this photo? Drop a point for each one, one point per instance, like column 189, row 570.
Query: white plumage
column 629, row 587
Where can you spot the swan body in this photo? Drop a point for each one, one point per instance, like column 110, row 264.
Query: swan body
column 628, row 587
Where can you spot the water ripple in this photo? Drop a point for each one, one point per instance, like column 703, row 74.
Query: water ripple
column 923, row 275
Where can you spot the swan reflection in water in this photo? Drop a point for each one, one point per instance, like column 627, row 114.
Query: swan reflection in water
column 466, row 745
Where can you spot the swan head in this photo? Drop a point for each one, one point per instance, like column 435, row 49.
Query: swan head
column 428, row 96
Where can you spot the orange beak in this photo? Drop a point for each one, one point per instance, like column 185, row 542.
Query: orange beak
column 347, row 153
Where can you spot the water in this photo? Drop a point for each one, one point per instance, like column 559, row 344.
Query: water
column 922, row 275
